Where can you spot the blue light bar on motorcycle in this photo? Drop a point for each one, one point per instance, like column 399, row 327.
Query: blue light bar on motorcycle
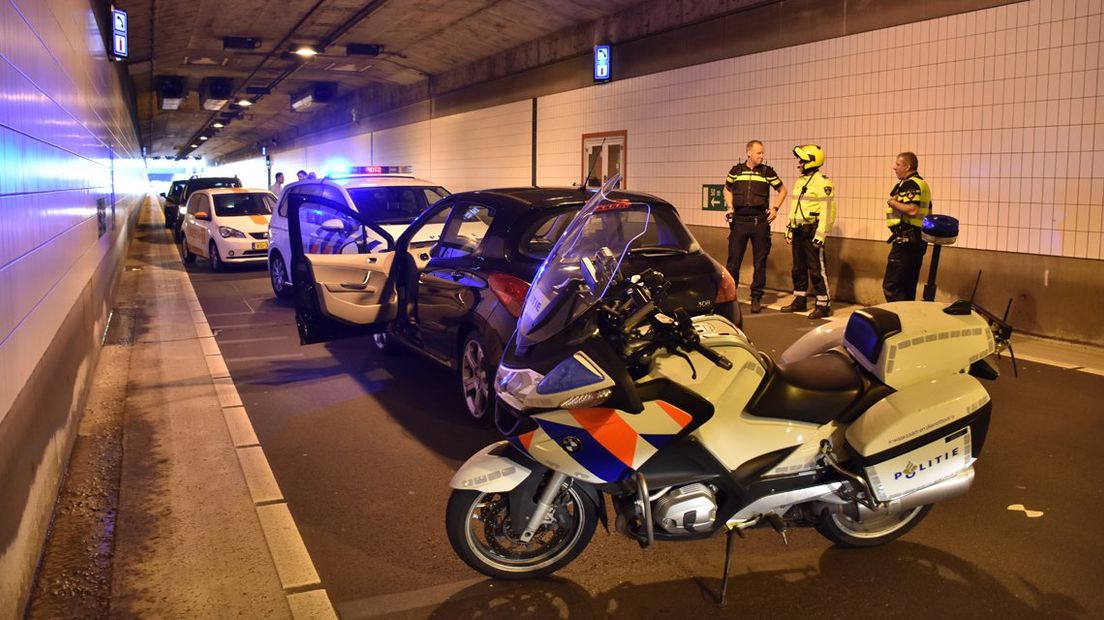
column 939, row 229
column 568, row 375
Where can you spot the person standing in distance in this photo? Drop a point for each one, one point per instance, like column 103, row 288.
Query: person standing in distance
column 278, row 187
column 749, row 214
column 909, row 203
column 812, row 215
column 301, row 175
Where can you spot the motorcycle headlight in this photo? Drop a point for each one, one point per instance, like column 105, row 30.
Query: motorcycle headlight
column 226, row 231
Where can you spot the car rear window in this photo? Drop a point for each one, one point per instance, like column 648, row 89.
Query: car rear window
column 212, row 183
column 664, row 234
column 230, row 205
column 394, row 205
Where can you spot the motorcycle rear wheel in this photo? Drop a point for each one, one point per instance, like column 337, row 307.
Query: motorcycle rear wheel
column 478, row 527
column 846, row 532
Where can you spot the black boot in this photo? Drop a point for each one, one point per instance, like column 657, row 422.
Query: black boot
column 756, row 305
column 820, row 312
column 797, row 305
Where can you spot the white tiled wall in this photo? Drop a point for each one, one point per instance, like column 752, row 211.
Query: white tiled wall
column 472, row 150
column 63, row 131
column 1005, row 108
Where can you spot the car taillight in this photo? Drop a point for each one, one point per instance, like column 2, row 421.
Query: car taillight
column 726, row 291
column 511, row 291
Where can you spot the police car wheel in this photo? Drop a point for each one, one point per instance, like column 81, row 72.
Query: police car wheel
column 213, row 256
column 475, row 378
column 277, row 273
column 872, row 531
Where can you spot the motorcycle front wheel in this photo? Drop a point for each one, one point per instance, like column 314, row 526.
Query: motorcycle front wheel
column 872, row 531
column 480, row 531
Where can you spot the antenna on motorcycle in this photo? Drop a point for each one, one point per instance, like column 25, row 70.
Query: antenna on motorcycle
column 1011, row 353
column 976, row 283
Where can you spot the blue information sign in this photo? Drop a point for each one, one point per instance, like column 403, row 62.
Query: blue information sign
column 602, row 63
column 119, row 33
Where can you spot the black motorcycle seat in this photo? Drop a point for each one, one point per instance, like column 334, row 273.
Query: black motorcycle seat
column 817, row 389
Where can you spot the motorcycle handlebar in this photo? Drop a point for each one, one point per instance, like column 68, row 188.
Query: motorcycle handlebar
column 712, row 355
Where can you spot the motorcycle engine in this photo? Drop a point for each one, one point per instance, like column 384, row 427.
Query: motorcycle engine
column 686, row 510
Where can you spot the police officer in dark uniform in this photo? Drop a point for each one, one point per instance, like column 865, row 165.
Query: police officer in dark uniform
column 909, row 202
column 749, row 214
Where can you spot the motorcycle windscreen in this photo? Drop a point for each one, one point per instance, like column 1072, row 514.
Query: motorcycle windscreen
column 600, row 445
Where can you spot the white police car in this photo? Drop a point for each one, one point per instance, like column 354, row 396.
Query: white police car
column 226, row 225
column 390, row 196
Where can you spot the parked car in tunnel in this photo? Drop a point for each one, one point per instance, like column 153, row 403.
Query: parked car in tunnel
column 191, row 186
column 455, row 295
column 386, row 195
column 172, row 201
column 227, row 226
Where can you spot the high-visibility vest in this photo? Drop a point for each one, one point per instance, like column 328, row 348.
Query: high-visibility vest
column 915, row 191
column 814, row 200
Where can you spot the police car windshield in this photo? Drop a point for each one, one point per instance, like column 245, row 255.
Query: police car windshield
column 230, row 205
column 394, row 205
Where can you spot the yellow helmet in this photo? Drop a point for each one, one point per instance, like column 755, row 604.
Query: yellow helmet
column 811, row 156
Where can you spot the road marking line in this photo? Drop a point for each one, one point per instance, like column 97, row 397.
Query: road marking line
column 263, row 487
column 211, row 314
column 241, row 431
column 293, row 563
column 243, row 325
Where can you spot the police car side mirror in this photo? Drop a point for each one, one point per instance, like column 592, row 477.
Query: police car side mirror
column 334, row 225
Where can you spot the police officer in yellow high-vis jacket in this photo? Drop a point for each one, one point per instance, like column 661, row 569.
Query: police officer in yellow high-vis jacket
column 812, row 215
column 909, row 203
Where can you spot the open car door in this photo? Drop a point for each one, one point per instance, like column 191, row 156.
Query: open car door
column 341, row 269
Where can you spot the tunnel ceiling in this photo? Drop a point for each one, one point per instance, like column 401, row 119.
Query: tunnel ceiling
column 427, row 46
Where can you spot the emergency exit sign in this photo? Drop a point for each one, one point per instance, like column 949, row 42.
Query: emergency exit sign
column 119, row 47
column 713, row 198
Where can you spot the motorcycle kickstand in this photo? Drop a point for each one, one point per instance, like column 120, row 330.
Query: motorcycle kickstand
column 723, row 600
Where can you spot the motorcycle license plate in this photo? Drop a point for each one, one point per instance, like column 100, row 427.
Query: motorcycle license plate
column 924, row 466
column 260, row 245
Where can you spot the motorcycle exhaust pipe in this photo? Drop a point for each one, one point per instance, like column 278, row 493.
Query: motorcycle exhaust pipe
column 940, row 491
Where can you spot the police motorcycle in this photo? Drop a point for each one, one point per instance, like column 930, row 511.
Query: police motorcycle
column 604, row 389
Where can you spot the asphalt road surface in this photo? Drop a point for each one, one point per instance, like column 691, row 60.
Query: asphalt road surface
column 363, row 446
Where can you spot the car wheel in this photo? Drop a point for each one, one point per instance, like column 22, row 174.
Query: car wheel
column 475, row 378
column 213, row 255
column 277, row 273
column 185, row 253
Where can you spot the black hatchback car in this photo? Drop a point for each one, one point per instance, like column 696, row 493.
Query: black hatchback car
column 452, row 285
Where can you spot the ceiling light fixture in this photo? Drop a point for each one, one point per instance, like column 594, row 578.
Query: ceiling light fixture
column 217, row 125
column 202, row 138
column 215, row 93
column 306, row 51
column 245, row 103
column 195, row 146
column 303, row 101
